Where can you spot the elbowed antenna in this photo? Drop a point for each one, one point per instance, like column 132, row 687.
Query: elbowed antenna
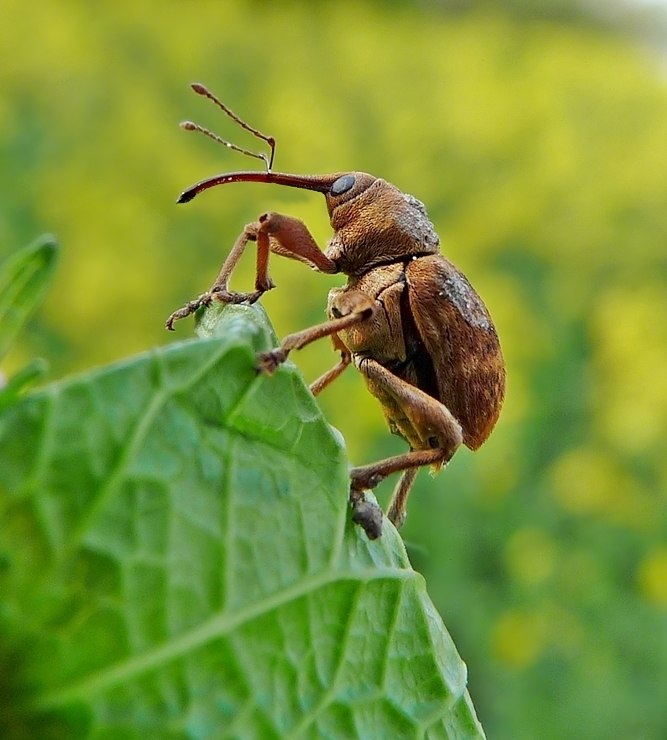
column 189, row 126
column 205, row 92
column 319, row 183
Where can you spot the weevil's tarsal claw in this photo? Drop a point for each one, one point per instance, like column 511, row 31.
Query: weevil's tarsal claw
column 221, row 295
column 264, row 285
column 224, row 296
column 190, row 307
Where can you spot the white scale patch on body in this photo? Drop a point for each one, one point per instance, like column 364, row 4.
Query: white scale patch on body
column 415, row 221
column 459, row 291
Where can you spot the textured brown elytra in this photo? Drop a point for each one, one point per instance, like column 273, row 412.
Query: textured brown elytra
column 407, row 318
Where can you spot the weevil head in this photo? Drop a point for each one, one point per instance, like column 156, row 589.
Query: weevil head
column 375, row 223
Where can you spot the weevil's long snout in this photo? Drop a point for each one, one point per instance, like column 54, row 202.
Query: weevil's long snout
column 318, row 183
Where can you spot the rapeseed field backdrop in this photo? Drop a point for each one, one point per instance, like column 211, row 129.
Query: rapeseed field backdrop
column 539, row 146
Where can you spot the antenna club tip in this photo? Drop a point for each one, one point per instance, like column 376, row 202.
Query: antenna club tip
column 188, row 126
column 199, row 88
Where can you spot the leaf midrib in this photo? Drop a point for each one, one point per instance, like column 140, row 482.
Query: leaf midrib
column 219, row 625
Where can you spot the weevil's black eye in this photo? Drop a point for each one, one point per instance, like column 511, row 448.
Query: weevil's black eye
column 342, row 185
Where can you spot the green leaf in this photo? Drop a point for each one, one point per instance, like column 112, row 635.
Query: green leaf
column 25, row 277
column 32, row 373
column 177, row 560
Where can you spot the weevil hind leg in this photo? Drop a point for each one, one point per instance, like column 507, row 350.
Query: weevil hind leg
column 397, row 506
column 368, row 515
column 368, row 477
column 432, row 423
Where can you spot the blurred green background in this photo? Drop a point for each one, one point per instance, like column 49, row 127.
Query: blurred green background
column 536, row 134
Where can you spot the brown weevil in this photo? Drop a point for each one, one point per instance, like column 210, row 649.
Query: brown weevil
column 408, row 319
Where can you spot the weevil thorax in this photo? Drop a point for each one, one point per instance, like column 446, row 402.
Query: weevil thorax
column 375, row 223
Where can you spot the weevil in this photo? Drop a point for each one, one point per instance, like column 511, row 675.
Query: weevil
column 407, row 318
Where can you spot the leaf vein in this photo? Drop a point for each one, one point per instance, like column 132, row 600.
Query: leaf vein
column 217, row 626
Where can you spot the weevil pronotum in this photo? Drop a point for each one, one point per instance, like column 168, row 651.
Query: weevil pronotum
column 407, row 318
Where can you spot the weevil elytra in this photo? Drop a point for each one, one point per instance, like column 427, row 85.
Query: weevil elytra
column 407, row 318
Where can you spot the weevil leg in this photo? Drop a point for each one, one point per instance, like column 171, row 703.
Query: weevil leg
column 345, row 359
column 367, row 477
column 396, row 510
column 290, row 238
column 218, row 290
column 323, row 381
column 358, row 308
column 273, row 232
column 434, row 422
column 263, row 281
column 250, row 233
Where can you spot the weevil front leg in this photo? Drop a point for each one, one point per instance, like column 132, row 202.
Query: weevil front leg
column 273, row 232
column 439, row 435
column 219, row 290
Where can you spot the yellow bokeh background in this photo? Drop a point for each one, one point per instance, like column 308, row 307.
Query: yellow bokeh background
column 539, row 146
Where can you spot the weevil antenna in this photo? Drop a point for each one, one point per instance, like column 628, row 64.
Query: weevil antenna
column 189, row 126
column 202, row 90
